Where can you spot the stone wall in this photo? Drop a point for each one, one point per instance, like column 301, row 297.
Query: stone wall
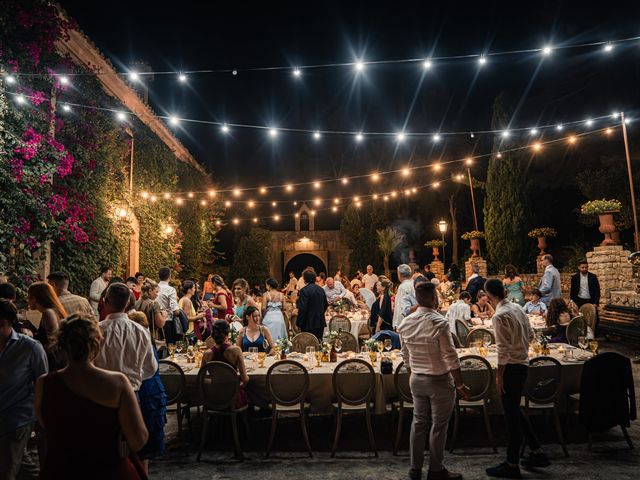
column 610, row 264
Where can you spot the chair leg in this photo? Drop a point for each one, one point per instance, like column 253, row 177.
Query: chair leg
column 305, row 434
column 556, row 419
column 456, row 421
column 589, row 440
column 179, row 415
column 245, row 423
column 236, row 439
column 272, row 435
column 338, row 429
column 626, row 436
column 205, row 431
column 372, row 441
column 396, row 444
column 487, row 424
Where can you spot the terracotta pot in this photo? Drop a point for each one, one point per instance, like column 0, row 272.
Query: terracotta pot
column 475, row 247
column 607, row 227
column 542, row 244
column 435, row 252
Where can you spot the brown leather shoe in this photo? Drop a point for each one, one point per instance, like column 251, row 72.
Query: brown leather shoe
column 444, row 475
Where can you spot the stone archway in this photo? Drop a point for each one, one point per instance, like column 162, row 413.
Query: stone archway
column 301, row 260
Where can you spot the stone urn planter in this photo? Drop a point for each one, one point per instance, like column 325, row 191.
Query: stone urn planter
column 542, row 244
column 607, row 227
column 436, row 252
column 475, row 247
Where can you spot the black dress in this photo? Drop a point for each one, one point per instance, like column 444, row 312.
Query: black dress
column 383, row 311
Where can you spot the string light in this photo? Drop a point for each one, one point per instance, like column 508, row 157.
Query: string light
column 134, row 77
column 359, row 66
column 436, row 137
column 273, row 133
column 263, row 190
column 255, row 220
column 276, row 217
column 121, row 116
column 436, row 184
column 356, row 199
column 482, row 60
column 359, row 137
column 297, row 72
column 273, row 204
column 167, row 196
column 506, row 133
column 237, row 192
column 64, row 80
column 212, row 193
column 537, row 146
column 533, row 131
column 10, row 79
column 499, row 155
column 236, row 221
column 179, row 201
column 609, row 131
column 336, row 201
column 400, row 137
column 334, row 209
column 203, row 203
column 190, row 195
column 289, row 188
column 153, row 198
column 345, row 181
column 588, row 122
column 414, row 190
column 224, row 128
column 227, row 203
column 375, row 196
column 469, row 161
column 375, row 177
column 66, row 108
column 437, row 167
column 572, row 139
column 182, row 77
column 426, row 65
column 608, row 47
column 559, row 127
column 144, row 195
column 547, row 50
column 406, row 172
column 316, row 185
column 20, row 99
column 218, row 222
column 173, row 120
column 316, row 135
column 317, row 202
column 251, row 204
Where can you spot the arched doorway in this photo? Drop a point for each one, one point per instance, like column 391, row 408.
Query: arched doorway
column 301, row 261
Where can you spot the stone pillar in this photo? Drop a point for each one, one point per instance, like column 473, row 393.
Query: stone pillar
column 539, row 266
column 610, row 264
column 480, row 262
column 437, row 267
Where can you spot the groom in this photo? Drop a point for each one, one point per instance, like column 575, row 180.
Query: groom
column 311, row 305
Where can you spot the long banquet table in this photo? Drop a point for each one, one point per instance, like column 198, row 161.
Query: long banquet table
column 321, row 394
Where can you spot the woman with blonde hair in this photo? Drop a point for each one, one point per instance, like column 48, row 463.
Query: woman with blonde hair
column 42, row 297
column 84, row 408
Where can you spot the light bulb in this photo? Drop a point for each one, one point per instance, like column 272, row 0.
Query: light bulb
column 20, row 99
column 316, row 185
column 263, row 190
column 334, row 209
column 133, row 76
column 572, row 139
column 173, row 120
column 212, row 193
column 537, row 146
column 608, row 47
column 289, row 188
column 375, row 177
column 317, row 202
column 236, row 221
column 426, row 65
column 273, row 133
column 237, row 192
column 179, row 201
column 559, row 127
column 203, row 202
column 400, row 137
column 66, row 108
column 121, row 116
column 436, row 184
column 437, row 167
column 482, row 60
column 10, row 79
column 316, row 135
column 255, row 220
column 547, row 50
column 506, row 133
column 224, row 128
column 359, row 137
column 153, row 198
column 345, row 181
column 190, row 195
column 273, row 204
column 533, row 131
column 436, row 137
column 589, row 122
column 182, row 77
column 276, row 217
column 64, row 80
column 227, row 204
column 499, row 155
column 251, row 204
column 297, row 72
column 406, row 172
column 359, row 66
column 167, row 196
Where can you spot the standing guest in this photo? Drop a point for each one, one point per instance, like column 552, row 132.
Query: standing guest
column 186, row 305
column 405, row 289
column 311, row 305
column 513, row 334
column 71, row 303
column 242, row 297
column 514, row 285
column 381, row 311
column 42, row 297
column 196, row 299
column 549, row 285
column 338, row 276
column 558, row 317
column 208, row 288
column 334, row 290
column 127, row 346
column 459, row 310
column 22, row 325
column 429, row 352
column 101, row 312
column 534, row 306
column 222, row 300
column 83, row 409
column 301, row 283
column 369, row 279
column 168, row 300
column 482, row 309
column 428, row 273
column 475, row 282
column 254, row 334
column 291, row 286
column 156, row 317
column 453, row 274
column 585, row 287
column 409, row 303
column 98, row 286
column 357, row 280
column 140, row 278
column 22, row 361
column 272, row 305
column 321, row 279
column 131, row 282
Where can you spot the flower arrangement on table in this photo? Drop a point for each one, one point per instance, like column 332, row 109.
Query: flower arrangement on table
column 448, row 295
column 341, row 305
column 472, row 235
column 434, row 244
column 372, row 344
column 547, row 232
column 283, row 345
column 599, row 207
column 330, row 337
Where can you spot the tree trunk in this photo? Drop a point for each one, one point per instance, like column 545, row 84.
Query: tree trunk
column 454, row 229
column 387, row 270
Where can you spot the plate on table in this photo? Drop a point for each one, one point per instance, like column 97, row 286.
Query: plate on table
column 294, row 355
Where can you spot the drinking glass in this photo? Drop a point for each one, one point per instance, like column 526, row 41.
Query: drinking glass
column 372, row 357
column 380, row 346
column 486, row 340
column 172, row 349
column 311, row 353
column 387, row 344
column 179, row 347
column 582, row 342
column 593, row 346
column 337, row 345
column 318, row 358
column 253, row 354
column 190, row 353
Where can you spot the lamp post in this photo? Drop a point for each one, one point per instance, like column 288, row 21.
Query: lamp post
column 442, row 226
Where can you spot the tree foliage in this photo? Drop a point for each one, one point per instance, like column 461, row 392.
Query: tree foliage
column 389, row 239
column 251, row 258
column 358, row 228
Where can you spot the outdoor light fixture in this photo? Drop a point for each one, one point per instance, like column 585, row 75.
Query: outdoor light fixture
column 426, row 64
column 190, row 195
column 276, row 217
column 66, row 108
column 359, row 66
column 10, row 79
column 236, row 221
column 406, row 172
column 359, row 137
column 255, row 220
column 224, row 128
column 442, row 226
column 375, row 177
column 179, row 201
column 251, row 204
column 537, row 146
column 334, row 209
column 589, row 122
column 173, row 120
column 469, row 161
column 547, row 50
column 608, row 47
column 64, row 80
column 212, row 193
column 273, row 133
column 236, row 192
column 437, row 167
column 273, row 204
column 316, row 135
column 572, row 139
column 436, row 184
column 20, row 99
column 505, row 133
column 289, row 188
column 316, row 184
column 263, row 190
column 559, row 127
column 182, row 77
column 227, row 203
column 345, row 181
column 134, row 77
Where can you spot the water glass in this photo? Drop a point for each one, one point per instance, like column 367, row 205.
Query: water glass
column 582, row 342
column 311, row 353
column 387, row 344
column 486, row 340
column 337, row 345
column 253, row 354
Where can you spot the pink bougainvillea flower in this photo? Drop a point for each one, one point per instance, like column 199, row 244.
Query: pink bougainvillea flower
column 65, row 166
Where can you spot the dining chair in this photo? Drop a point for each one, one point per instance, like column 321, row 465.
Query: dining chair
column 541, row 392
column 354, row 385
column 590, row 313
column 172, row 377
column 478, row 334
column 349, row 342
column 339, row 323
column 456, row 340
column 219, row 386
column 477, row 374
column 288, row 386
column 462, row 330
column 405, row 400
column 577, row 327
column 301, row 341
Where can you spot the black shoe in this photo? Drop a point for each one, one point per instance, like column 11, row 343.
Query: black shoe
column 415, row 474
column 535, row 460
column 504, row 470
column 444, row 475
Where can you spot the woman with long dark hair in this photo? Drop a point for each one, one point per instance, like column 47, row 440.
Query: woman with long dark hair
column 558, row 317
column 272, row 304
column 222, row 300
column 381, row 310
column 514, row 285
column 253, row 334
column 42, row 297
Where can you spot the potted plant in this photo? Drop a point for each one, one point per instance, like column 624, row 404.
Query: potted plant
column 542, row 233
column 435, row 245
column 474, row 237
column 604, row 209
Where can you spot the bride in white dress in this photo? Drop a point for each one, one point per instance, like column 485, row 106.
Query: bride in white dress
column 272, row 317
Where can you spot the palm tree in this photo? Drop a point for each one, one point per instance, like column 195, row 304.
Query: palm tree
column 388, row 240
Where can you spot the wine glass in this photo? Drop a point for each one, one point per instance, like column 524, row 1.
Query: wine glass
column 190, row 353
column 172, row 350
column 593, row 346
column 179, row 346
column 337, row 345
column 380, row 344
column 582, row 342
column 486, row 340
column 387, row 344
column 253, row 354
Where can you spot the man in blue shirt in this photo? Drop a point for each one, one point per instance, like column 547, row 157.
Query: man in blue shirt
column 22, row 361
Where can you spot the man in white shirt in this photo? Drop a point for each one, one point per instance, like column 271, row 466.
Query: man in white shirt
column 127, row 345
column 301, row 284
column 97, row 287
column 428, row 350
column 459, row 310
column 513, row 334
column 370, row 279
column 334, row 290
column 405, row 289
column 167, row 296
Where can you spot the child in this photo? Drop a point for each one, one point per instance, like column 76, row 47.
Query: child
column 535, row 306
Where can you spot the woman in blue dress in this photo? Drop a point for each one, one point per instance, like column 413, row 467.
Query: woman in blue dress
column 273, row 318
column 253, row 334
column 242, row 296
column 514, row 285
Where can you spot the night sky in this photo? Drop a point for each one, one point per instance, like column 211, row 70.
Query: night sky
column 454, row 95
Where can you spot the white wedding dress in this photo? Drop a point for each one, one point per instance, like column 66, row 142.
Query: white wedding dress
column 274, row 319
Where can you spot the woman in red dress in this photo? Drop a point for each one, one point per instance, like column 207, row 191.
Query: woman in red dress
column 222, row 300
column 84, row 410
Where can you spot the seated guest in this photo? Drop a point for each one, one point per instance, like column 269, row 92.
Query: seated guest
column 482, row 309
column 224, row 351
column 357, row 280
column 253, row 334
column 334, row 290
column 459, row 310
column 321, row 279
column 187, row 306
column 559, row 317
column 534, row 306
column 71, row 303
column 43, row 298
column 83, row 408
column 381, row 311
